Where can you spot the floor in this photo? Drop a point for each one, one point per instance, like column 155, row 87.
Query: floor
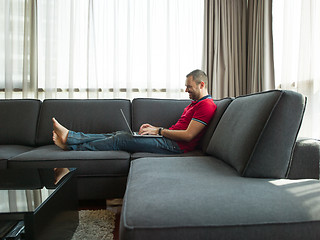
column 113, row 205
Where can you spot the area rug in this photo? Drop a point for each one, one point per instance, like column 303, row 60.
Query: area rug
column 95, row 225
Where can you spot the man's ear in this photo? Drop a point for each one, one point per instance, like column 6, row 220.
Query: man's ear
column 202, row 85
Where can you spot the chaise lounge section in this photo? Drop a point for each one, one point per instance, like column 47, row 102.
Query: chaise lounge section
column 239, row 191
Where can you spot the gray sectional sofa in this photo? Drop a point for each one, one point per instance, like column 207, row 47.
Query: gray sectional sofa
column 250, row 178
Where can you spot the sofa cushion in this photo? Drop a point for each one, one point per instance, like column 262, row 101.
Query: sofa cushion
column 157, row 112
column 257, row 132
column 89, row 116
column 146, row 154
column 18, row 121
column 88, row 163
column 9, row 151
column 204, row 198
column 222, row 105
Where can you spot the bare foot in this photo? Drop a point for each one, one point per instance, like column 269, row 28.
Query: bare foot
column 60, row 130
column 60, row 173
column 58, row 141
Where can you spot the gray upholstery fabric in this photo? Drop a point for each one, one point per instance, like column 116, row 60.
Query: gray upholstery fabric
column 88, row 163
column 273, row 151
column 18, row 121
column 222, row 105
column 9, row 151
column 145, row 154
column 204, row 198
column 157, row 112
column 257, row 132
column 89, row 116
column 305, row 160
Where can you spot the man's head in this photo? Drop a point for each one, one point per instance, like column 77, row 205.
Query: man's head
column 196, row 84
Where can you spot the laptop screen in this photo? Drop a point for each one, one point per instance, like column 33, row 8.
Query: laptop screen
column 125, row 119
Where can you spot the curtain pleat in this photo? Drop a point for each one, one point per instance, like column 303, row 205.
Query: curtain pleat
column 30, row 56
column 238, row 50
column 260, row 65
column 8, row 51
column 224, row 47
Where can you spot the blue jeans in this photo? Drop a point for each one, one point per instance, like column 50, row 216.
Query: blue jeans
column 120, row 141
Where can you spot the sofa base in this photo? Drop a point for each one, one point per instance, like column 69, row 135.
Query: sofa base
column 91, row 187
column 292, row 231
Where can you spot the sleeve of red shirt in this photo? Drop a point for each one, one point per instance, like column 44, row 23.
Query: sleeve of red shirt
column 205, row 111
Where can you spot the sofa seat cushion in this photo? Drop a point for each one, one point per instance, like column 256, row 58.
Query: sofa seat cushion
column 203, row 198
column 146, row 154
column 9, row 151
column 91, row 163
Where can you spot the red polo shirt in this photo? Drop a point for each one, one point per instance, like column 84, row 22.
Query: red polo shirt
column 201, row 111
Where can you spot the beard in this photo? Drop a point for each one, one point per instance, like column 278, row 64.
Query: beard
column 193, row 96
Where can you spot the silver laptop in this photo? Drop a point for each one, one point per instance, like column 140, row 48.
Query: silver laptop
column 135, row 134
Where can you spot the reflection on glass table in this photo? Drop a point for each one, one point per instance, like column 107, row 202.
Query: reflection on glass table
column 32, row 205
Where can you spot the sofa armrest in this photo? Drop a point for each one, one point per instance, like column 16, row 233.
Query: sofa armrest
column 305, row 159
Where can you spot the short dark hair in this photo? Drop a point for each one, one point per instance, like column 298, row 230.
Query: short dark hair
column 199, row 76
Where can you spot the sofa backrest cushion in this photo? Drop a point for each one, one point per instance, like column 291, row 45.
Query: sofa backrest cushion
column 18, row 121
column 222, row 105
column 257, row 133
column 157, row 112
column 88, row 116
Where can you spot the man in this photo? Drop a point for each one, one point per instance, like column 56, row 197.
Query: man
column 184, row 136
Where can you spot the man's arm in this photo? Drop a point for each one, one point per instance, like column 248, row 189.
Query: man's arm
column 187, row 135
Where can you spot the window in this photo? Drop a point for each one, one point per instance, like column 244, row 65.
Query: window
column 105, row 49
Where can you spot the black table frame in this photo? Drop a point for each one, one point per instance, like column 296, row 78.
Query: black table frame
column 56, row 218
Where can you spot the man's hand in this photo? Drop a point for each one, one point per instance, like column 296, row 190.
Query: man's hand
column 148, row 129
column 187, row 135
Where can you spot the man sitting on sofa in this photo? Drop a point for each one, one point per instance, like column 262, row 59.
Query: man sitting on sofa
column 184, row 136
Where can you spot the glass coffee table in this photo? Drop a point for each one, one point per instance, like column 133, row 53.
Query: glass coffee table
column 33, row 207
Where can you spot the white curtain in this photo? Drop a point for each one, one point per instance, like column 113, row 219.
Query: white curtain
column 98, row 48
column 296, row 26
column 18, row 50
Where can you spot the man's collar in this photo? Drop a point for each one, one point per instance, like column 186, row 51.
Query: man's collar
column 205, row 97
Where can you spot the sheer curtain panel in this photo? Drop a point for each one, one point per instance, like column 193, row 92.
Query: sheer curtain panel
column 18, row 51
column 260, row 65
column 98, row 48
column 118, row 48
column 296, row 27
